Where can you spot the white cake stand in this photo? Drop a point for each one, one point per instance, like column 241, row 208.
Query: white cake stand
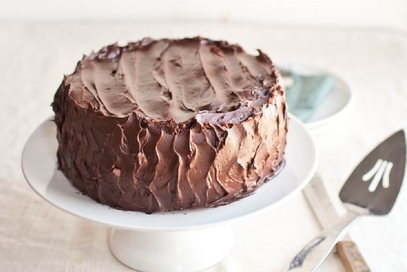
column 174, row 241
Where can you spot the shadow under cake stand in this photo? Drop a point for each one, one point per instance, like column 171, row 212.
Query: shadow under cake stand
column 173, row 241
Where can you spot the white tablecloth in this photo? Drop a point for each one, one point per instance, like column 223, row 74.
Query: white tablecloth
column 35, row 236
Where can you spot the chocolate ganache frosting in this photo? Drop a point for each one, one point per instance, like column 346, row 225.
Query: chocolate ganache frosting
column 163, row 125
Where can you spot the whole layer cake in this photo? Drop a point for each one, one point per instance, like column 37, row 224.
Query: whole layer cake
column 163, row 125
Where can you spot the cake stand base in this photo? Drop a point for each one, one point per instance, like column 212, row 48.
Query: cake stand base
column 159, row 251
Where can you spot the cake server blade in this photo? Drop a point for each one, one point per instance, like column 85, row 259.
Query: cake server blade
column 317, row 197
column 386, row 163
column 362, row 194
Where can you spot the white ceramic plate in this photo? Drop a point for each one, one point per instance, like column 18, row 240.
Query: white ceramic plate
column 39, row 165
column 335, row 104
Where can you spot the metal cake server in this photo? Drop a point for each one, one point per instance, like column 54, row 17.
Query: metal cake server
column 362, row 194
column 317, row 197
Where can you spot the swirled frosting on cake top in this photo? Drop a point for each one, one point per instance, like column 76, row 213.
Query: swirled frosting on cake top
column 162, row 125
column 174, row 79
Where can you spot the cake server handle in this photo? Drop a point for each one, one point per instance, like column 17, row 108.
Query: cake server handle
column 316, row 251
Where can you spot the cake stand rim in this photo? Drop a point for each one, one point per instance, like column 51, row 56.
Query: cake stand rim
column 51, row 188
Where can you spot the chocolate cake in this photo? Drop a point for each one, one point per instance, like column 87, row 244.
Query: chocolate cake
column 163, row 125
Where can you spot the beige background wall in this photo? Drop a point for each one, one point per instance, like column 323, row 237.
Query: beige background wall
column 359, row 13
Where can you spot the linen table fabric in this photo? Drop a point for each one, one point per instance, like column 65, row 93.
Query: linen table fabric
column 35, row 236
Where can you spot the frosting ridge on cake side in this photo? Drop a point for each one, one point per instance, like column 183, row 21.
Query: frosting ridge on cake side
column 161, row 125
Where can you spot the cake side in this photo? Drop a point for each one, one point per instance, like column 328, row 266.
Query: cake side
column 170, row 124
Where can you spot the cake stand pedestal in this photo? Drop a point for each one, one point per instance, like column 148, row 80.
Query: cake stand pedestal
column 188, row 250
column 174, row 241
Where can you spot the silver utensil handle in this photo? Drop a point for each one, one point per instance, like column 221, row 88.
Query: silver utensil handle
column 316, row 251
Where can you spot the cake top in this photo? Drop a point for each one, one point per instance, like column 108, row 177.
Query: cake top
column 174, row 80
